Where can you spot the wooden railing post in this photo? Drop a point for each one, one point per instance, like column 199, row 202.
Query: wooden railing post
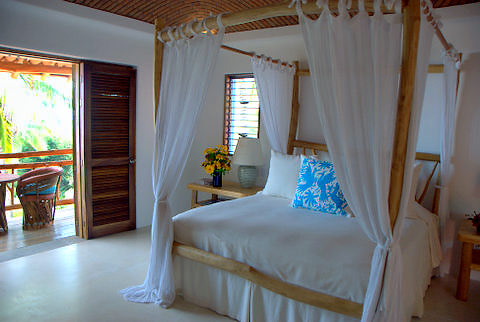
column 411, row 32
column 34, row 165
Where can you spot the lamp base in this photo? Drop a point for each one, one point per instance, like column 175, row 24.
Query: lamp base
column 247, row 175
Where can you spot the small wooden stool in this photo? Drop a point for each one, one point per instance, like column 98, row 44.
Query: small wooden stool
column 470, row 257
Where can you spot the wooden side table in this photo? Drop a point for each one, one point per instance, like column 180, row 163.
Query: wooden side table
column 4, row 179
column 470, row 257
column 231, row 190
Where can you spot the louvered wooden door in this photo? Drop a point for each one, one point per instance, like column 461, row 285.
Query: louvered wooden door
column 109, row 151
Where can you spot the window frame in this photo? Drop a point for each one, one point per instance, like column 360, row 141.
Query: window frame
column 227, row 109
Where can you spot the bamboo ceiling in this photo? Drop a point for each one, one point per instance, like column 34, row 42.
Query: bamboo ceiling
column 176, row 12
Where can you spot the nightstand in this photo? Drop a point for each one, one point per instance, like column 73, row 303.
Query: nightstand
column 470, row 257
column 230, row 190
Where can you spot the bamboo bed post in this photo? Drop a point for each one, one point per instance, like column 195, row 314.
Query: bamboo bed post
column 411, row 33
column 270, row 11
column 157, row 64
column 292, row 134
column 283, row 9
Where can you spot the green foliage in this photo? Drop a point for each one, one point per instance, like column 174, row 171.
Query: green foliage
column 6, row 127
column 39, row 86
column 54, row 144
column 34, row 138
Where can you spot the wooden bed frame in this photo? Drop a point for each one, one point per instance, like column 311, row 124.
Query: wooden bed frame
column 411, row 24
column 294, row 292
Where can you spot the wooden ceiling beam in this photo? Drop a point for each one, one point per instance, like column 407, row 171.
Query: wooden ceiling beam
column 35, row 68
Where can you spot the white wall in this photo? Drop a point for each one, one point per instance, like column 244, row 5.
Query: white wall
column 58, row 27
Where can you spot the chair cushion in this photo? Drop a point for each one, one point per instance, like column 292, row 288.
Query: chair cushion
column 48, row 191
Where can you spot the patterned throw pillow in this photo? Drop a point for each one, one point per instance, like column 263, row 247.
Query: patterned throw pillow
column 318, row 188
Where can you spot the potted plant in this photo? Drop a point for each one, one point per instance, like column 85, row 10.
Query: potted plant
column 216, row 163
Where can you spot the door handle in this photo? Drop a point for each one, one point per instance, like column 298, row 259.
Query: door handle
column 132, row 160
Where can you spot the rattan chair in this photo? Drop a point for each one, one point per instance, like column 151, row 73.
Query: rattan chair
column 38, row 191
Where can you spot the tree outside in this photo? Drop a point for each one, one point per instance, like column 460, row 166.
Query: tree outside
column 36, row 115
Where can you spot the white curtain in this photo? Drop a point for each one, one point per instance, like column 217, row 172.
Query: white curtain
column 354, row 64
column 449, row 117
column 274, row 87
column 187, row 71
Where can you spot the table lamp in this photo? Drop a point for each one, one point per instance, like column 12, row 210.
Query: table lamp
column 248, row 155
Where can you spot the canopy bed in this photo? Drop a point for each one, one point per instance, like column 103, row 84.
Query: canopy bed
column 369, row 114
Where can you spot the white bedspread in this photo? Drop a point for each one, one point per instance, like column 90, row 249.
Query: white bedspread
column 324, row 253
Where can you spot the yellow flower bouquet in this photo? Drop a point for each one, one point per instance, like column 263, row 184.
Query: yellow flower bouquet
column 216, row 160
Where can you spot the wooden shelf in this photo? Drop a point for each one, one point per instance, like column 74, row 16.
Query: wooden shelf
column 208, row 202
column 467, row 233
column 231, row 190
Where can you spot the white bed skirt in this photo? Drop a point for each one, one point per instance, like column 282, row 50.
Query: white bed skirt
column 334, row 258
column 233, row 296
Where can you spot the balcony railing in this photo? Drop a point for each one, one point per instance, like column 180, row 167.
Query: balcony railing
column 12, row 167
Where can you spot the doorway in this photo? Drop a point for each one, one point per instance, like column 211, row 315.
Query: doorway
column 36, row 132
column 76, row 115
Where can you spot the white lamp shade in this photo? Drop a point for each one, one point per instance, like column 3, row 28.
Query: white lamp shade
column 248, row 152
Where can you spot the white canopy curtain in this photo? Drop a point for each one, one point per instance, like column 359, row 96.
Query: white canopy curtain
column 448, row 121
column 188, row 65
column 274, row 87
column 354, row 64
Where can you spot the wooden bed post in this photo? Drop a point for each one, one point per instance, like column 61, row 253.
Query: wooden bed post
column 292, row 134
column 411, row 33
column 157, row 64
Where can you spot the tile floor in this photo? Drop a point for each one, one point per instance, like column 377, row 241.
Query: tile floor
column 80, row 282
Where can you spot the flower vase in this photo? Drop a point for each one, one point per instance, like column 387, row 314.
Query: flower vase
column 478, row 230
column 217, row 179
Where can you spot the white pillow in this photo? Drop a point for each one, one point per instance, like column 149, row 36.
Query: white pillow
column 282, row 175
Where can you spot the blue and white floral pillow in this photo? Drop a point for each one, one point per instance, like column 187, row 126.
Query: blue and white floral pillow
column 318, row 188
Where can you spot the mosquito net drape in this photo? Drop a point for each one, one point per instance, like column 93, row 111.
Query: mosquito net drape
column 187, row 70
column 274, row 86
column 448, row 122
column 354, row 64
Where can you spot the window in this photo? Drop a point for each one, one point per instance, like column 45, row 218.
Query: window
column 242, row 109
